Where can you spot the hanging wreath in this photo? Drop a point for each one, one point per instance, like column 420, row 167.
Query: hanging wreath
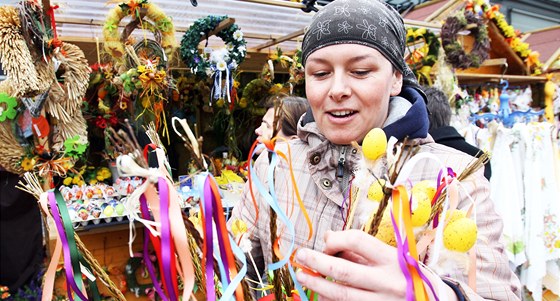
column 138, row 9
column 205, row 65
column 456, row 55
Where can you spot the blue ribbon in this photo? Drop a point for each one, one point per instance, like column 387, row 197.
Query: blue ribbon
column 271, row 199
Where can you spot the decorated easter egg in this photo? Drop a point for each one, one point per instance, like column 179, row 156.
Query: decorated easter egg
column 119, row 209
column 375, row 190
column 460, row 235
column 95, row 211
column 108, row 210
column 83, row 213
column 374, row 144
column 238, row 227
column 72, row 213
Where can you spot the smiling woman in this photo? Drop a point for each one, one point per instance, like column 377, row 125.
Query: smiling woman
column 357, row 80
column 340, row 80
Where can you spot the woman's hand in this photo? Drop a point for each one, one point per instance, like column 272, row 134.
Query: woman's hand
column 361, row 268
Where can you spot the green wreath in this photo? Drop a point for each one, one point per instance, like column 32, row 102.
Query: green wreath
column 203, row 66
column 455, row 54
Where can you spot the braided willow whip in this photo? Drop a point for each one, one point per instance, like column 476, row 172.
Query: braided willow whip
column 33, row 187
column 374, row 226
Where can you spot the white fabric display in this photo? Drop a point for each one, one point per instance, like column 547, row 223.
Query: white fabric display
column 541, row 207
column 507, row 194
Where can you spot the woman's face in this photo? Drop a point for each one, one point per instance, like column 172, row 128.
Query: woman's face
column 264, row 132
column 348, row 87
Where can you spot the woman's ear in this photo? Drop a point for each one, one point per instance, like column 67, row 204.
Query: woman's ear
column 397, row 82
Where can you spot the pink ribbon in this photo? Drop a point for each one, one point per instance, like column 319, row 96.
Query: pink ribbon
column 151, row 270
column 70, row 283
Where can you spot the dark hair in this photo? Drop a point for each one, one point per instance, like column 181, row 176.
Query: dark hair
column 292, row 109
column 438, row 106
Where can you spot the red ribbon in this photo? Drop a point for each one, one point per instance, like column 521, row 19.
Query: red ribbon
column 53, row 22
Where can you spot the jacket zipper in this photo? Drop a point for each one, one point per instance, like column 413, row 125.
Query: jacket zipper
column 341, row 161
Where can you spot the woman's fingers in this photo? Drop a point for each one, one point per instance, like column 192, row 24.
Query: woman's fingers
column 329, row 290
column 339, row 269
column 359, row 243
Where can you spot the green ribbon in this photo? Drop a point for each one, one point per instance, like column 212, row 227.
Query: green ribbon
column 75, row 255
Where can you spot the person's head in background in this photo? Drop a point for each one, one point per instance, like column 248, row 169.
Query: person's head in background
column 291, row 109
column 438, row 106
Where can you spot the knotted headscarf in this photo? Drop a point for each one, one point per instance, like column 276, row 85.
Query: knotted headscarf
column 371, row 23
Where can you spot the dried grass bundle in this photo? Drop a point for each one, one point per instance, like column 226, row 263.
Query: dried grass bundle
column 55, row 104
column 473, row 166
column 65, row 130
column 76, row 75
column 15, row 56
column 64, row 102
column 11, row 151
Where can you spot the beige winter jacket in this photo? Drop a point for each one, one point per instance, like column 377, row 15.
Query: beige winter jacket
column 315, row 161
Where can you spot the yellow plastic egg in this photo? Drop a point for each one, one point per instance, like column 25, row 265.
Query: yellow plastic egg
column 426, row 187
column 375, row 191
column 386, row 232
column 460, row 235
column 421, row 209
column 453, row 215
column 374, row 144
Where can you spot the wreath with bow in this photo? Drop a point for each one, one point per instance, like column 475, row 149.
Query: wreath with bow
column 210, row 61
column 455, row 54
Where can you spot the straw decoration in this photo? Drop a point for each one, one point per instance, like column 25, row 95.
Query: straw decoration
column 11, row 151
column 64, row 102
column 15, row 56
column 153, row 135
column 77, row 126
column 54, row 104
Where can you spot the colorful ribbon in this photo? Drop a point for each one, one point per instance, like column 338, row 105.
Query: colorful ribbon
column 73, row 260
column 406, row 247
column 155, row 241
column 213, row 214
column 270, row 197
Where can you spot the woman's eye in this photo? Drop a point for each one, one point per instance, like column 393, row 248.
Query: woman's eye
column 361, row 72
column 320, row 74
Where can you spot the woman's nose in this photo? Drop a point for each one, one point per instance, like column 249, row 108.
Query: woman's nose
column 339, row 89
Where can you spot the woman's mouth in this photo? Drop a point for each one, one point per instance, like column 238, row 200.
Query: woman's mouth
column 342, row 114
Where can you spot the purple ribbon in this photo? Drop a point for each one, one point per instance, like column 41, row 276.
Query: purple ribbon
column 404, row 259
column 451, row 173
column 66, row 249
column 216, row 213
column 208, row 198
column 166, row 237
column 402, row 263
column 151, row 270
